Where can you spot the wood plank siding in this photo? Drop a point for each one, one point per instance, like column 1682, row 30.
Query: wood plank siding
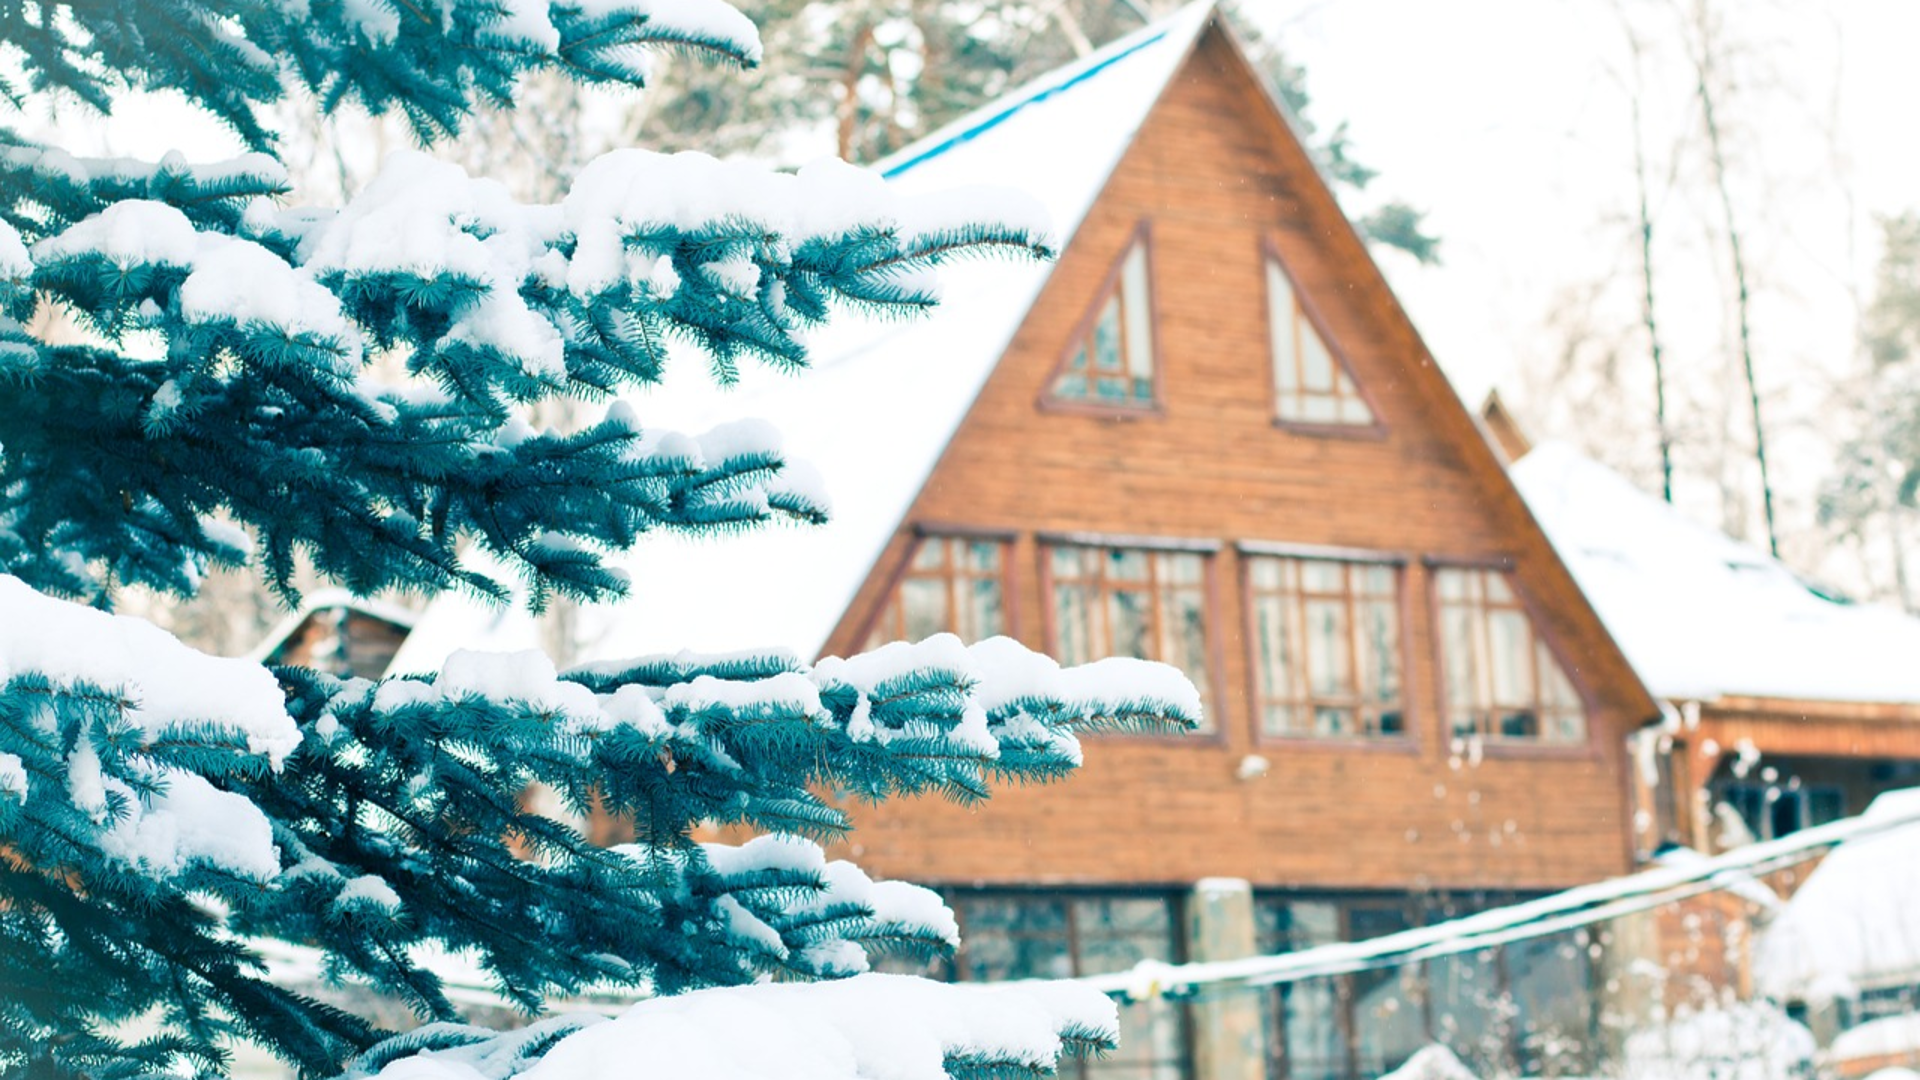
column 1219, row 180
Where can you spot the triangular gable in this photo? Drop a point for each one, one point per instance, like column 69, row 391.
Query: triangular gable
column 1310, row 231
column 1576, row 623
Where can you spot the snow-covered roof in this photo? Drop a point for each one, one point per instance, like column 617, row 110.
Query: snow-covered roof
column 328, row 600
column 1701, row 616
column 883, row 398
column 1855, row 923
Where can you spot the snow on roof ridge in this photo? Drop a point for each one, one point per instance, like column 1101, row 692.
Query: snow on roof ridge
column 1187, row 20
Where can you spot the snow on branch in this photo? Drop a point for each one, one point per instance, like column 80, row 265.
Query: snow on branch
column 260, row 408
column 871, row 1026
column 432, row 61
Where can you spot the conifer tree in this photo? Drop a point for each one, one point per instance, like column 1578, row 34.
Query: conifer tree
column 162, row 812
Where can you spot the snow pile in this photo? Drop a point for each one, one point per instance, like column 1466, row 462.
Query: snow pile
column 1746, row 1041
column 1433, row 1062
column 228, row 279
column 1855, row 923
column 1882, row 1037
column 1701, row 616
column 871, row 1027
column 170, row 686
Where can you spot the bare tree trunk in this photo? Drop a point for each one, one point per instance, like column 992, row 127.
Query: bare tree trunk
column 1702, row 65
column 850, row 89
column 1646, row 273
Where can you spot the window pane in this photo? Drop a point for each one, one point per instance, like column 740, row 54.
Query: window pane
column 1106, row 337
column 1183, row 567
column 1126, row 565
column 1282, row 320
column 1467, row 1006
column 1379, row 652
column 1322, row 576
column 931, row 554
column 1264, row 572
column 1328, row 668
column 1388, row 1022
column 1555, row 1011
column 1502, row 680
column 1509, row 662
column 1316, row 364
column 1070, row 616
column 1069, row 562
column 1139, row 314
column 925, row 600
column 983, row 557
column 1128, row 615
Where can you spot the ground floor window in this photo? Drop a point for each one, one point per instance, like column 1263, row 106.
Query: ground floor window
column 1526, row 1009
column 1051, row 935
column 1773, row 810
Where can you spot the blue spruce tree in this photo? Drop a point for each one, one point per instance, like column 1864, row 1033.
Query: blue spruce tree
column 162, row 812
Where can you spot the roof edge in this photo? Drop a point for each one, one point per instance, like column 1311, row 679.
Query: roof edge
column 1194, row 16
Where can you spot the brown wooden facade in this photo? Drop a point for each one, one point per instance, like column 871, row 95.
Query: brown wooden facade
column 1214, row 180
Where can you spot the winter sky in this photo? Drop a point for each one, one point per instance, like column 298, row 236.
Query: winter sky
column 1509, row 122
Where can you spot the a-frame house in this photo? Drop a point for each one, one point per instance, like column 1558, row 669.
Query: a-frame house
column 1207, row 434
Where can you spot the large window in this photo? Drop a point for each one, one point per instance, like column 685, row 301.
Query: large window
column 1022, row 935
column 1527, row 1008
column 952, row 585
column 1502, row 682
column 1311, row 385
column 1326, row 646
column 1113, row 362
column 1116, row 601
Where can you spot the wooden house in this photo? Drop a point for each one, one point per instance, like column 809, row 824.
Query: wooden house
column 1207, row 434
column 339, row 633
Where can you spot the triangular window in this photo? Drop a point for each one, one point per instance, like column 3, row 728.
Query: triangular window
column 1311, row 385
column 1111, row 361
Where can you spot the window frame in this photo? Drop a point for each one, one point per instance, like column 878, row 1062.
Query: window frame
column 1418, row 909
column 1068, row 897
column 1409, row 738
column 1316, row 320
column 1112, row 284
column 903, row 568
column 1545, row 636
column 1209, row 551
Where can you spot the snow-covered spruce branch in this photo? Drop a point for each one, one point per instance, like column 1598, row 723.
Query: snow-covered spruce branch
column 432, row 61
column 376, row 820
column 260, row 408
column 870, row 1025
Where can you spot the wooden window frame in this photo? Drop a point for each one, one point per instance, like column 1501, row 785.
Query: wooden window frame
column 1050, row 402
column 1587, row 746
column 1215, row 701
column 1174, row 900
column 1407, row 739
column 903, row 569
column 1310, row 310
column 1417, row 914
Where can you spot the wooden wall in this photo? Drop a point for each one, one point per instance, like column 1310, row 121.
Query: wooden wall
column 1216, row 175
